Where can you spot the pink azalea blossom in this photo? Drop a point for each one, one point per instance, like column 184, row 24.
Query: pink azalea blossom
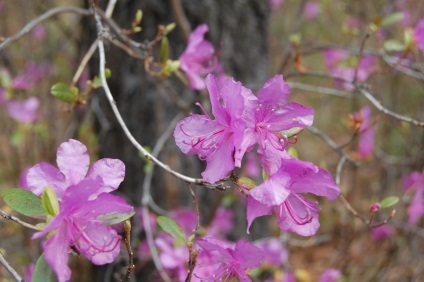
column 217, row 141
column 73, row 162
column 80, row 224
column 275, row 253
column 276, row 4
column 382, row 232
column 25, row 111
column 39, row 32
column 186, row 218
column 174, row 260
column 366, row 132
column 311, row 10
column 266, row 116
column 221, row 224
column 333, row 60
column 198, row 58
column 331, row 275
column 228, row 261
column 252, row 166
column 415, row 182
column 419, row 35
column 281, row 193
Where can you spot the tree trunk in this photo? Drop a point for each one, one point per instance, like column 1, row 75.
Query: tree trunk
column 147, row 105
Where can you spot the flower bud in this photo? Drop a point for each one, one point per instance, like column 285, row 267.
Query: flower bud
column 374, row 208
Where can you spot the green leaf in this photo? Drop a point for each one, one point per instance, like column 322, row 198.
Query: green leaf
column 115, row 217
column 138, row 16
column 169, row 28
column 392, row 18
column 50, row 201
column 247, row 183
column 394, row 45
column 43, row 272
column 164, row 50
column 389, row 201
column 24, row 202
column 64, row 92
column 293, row 152
column 173, row 228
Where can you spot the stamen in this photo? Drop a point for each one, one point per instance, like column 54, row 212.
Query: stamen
column 203, row 109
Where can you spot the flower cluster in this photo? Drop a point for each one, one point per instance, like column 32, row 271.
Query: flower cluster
column 415, row 182
column 25, row 111
column 242, row 121
column 340, row 64
column 86, row 208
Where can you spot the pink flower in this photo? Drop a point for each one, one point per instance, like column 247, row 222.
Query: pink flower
column 266, row 116
column 275, row 253
column 280, row 192
column 366, row 132
column 173, row 259
column 419, row 35
column 198, row 58
column 25, row 111
column 217, row 141
column 382, row 232
column 334, row 58
column 252, row 167
column 415, row 181
column 311, row 10
column 73, row 162
column 227, row 260
column 222, row 223
column 276, row 4
column 80, row 224
column 39, row 32
column 186, row 218
column 331, row 275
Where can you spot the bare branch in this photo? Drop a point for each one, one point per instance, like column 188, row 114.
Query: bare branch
column 7, row 216
column 11, row 270
column 181, row 18
column 29, row 26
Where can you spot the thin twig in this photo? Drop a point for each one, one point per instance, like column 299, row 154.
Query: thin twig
column 197, row 209
column 331, row 143
column 9, row 268
column 360, row 55
column 29, row 26
column 127, row 241
column 197, row 181
column 320, row 89
column 181, row 18
column 84, row 62
column 386, row 111
column 7, row 216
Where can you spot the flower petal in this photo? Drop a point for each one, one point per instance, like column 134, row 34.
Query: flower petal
column 248, row 254
column 274, row 92
column 220, row 162
column 274, row 191
column 308, row 178
column 214, row 89
column 73, row 160
column 42, row 175
column 110, row 171
column 298, row 215
column 255, row 209
column 56, row 250
column 289, row 116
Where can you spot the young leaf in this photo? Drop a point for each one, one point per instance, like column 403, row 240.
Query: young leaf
column 64, row 93
column 171, row 227
column 114, row 218
column 246, row 182
column 394, row 45
column 50, row 201
column 43, row 272
column 392, row 18
column 24, row 202
column 389, row 201
column 164, row 50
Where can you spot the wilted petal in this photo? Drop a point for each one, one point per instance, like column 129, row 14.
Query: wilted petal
column 110, row 171
column 56, row 250
column 255, row 209
column 73, row 160
column 42, row 175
